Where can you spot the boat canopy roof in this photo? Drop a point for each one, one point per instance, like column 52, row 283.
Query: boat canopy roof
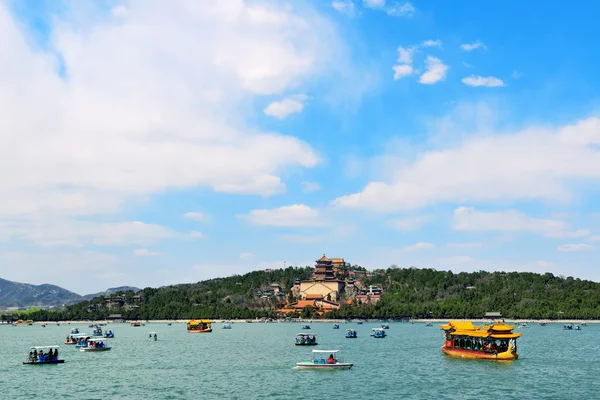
column 325, row 351
column 78, row 334
column 203, row 321
column 350, row 330
column 495, row 330
column 150, row 333
column 306, row 334
column 43, row 347
column 96, row 340
column 378, row 329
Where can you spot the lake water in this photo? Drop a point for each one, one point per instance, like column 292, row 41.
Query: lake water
column 255, row 361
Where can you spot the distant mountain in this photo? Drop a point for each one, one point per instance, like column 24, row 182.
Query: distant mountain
column 15, row 294
column 110, row 291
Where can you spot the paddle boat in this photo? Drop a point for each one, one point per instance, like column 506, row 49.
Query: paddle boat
column 568, row 327
column 351, row 334
column 108, row 334
column 226, row 326
column 429, row 324
column 385, row 326
column 95, row 345
column 487, row 342
column 74, row 339
column 153, row 336
column 306, row 326
column 336, row 326
column 169, row 324
column 74, row 331
column 524, row 325
column 359, row 323
column 90, row 325
column 322, row 361
column 135, row 324
column 43, row 325
column 378, row 333
column 302, row 339
column 577, row 327
column 82, row 340
column 97, row 331
column 37, row 356
column 542, row 323
column 202, row 326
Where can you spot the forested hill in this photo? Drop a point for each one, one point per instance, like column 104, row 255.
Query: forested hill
column 412, row 292
column 443, row 294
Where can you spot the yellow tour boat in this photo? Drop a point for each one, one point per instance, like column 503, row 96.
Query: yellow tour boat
column 202, row 326
column 489, row 342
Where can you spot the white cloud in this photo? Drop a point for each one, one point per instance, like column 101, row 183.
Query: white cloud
column 569, row 234
column 487, row 81
column 432, row 43
column 147, row 104
column 409, row 223
column 575, row 247
column 286, row 107
column 419, row 246
column 594, row 238
column 146, row 253
column 308, row 187
column 69, row 232
column 374, row 3
column 246, row 256
column 472, row 46
column 119, row 11
column 465, row 245
column 294, row 215
column 543, row 163
column 436, row 71
column 401, row 71
column 468, row 219
column 456, row 260
column 196, row 235
column 405, row 54
column 344, row 6
column 196, row 216
column 400, row 10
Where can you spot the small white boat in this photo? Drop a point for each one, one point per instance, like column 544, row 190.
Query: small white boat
column 95, row 345
column 226, row 326
column 37, row 356
column 306, row 326
column 321, row 361
column 74, row 339
column 152, row 335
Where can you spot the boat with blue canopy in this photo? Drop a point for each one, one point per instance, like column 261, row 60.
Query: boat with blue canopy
column 95, row 345
column 351, row 334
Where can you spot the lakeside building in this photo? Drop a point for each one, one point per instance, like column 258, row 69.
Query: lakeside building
column 320, row 305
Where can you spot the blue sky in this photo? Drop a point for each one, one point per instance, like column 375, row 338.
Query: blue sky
column 149, row 143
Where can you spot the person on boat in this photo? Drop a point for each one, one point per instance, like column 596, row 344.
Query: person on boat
column 56, row 354
column 31, row 359
column 150, row 336
column 50, row 355
column 331, row 360
column 155, row 337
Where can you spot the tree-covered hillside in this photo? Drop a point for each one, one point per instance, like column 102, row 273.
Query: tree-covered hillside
column 412, row 292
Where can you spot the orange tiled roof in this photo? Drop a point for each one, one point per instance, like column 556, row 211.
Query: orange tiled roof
column 323, row 258
column 337, row 260
column 304, row 303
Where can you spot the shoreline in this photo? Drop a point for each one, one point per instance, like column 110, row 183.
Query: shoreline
column 312, row 321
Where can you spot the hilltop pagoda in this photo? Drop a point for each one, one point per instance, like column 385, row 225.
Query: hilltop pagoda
column 324, row 269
